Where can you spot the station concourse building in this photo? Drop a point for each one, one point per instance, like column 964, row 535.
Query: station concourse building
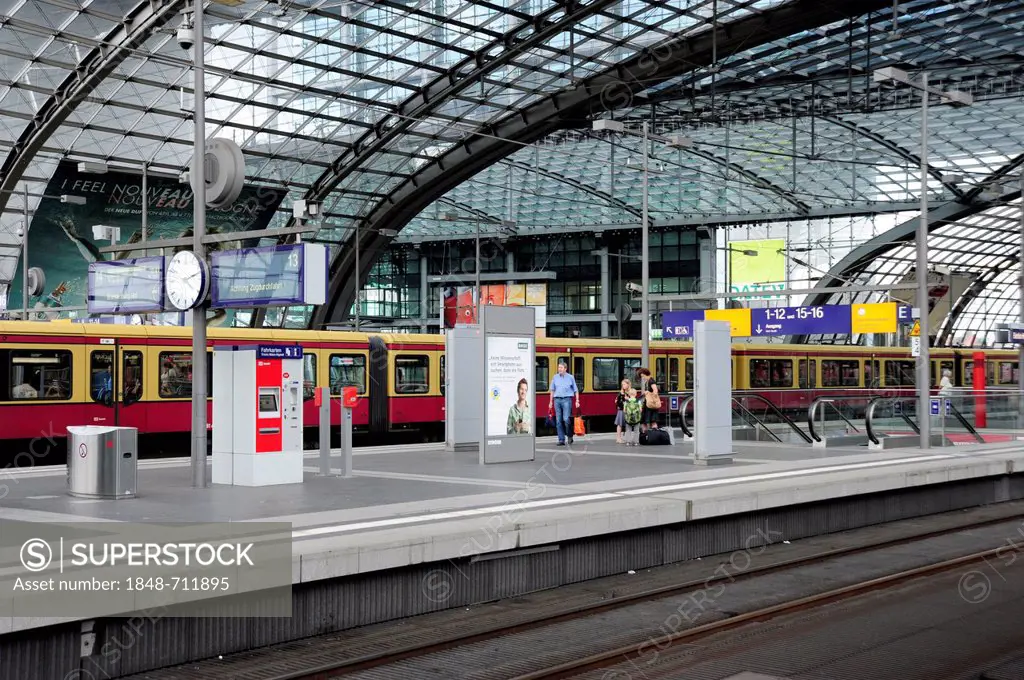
column 375, row 172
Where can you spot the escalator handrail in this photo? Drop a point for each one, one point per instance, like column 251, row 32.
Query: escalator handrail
column 812, row 411
column 775, row 409
column 745, row 413
column 869, row 415
column 963, row 421
column 682, row 415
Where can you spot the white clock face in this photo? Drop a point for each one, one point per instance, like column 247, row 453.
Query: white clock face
column 185, row 280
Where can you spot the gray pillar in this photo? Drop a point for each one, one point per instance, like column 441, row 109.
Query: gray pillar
column 424, row 295
column 708, row 276
column 510, row 261
column 606, row 289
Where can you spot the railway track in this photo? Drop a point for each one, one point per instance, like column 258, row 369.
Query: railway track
column 629, row 653
column 296, row 664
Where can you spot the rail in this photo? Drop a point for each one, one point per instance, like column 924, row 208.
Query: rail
column 747, row 415
column 777, row 413
column 902, row 413
column 869, row 415
column 829, row 400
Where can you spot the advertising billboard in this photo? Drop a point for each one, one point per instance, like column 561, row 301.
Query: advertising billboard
column 765, row 271
column 510, row 388
column 457, row 301
column 60, row 236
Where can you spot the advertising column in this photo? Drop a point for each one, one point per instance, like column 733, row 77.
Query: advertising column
column 509, row 420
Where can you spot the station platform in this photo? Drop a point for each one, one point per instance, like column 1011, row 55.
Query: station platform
column 417, row 505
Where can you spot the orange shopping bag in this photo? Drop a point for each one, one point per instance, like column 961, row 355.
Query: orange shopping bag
column 579, row 429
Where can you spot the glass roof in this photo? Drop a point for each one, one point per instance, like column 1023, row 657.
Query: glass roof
column 350, row 99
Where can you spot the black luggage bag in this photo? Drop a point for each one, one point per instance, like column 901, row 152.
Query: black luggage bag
column 654, row 438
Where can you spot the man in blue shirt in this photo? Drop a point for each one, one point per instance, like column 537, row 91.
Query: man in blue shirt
column 563, row 389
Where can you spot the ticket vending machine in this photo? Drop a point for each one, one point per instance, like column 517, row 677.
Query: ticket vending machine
column 257, row 415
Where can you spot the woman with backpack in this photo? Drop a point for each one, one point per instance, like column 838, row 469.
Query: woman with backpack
column 632, row 414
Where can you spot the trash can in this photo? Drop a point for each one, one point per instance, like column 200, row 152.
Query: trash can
column 102, row 461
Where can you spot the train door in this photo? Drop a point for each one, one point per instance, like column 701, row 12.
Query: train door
column 115, row 387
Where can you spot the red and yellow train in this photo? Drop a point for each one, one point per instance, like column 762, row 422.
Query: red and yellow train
column 57, row 374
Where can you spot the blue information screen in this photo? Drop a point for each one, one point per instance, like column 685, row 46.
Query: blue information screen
column 825, row 319
column 126, row 286
column 257, row 277
column 279, row 352
column 679, row 324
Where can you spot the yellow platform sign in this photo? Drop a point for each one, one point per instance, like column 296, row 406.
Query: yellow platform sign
column 739, row 320
column 916, row 330
column 874, row 318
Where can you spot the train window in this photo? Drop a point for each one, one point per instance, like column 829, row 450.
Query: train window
column 688, row 378
column 673, row 373
column 347, row 370
column 990, row 373
column 131, row 377
column 442, row 374
column 899, row 373
column 36, row 374
column 608, row 373
column 937, row 368
column 101, row 378
column 771, row 373
column 308, row 376
column 411, row 373
column 543, row 374
column 872, row 376
column 841, row 373
column 1007, row 373
column 176, row 375
column 575, row 367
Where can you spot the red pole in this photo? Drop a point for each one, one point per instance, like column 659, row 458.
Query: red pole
column 980, row 418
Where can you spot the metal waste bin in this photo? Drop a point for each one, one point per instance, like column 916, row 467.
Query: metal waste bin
column 102, row 461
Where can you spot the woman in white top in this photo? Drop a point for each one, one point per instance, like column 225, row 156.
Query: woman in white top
column 946, row 384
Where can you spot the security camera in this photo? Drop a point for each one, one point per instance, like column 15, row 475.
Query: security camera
column 634, row 288
column 185, row 34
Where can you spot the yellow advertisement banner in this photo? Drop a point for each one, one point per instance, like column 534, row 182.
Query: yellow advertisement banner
column 739, row 320
column 756, row 266
column 873, row 318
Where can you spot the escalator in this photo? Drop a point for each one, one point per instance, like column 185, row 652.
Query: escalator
column 880, row 408
column 744, row 414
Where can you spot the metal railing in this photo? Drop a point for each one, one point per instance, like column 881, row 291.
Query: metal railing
column 745, row 414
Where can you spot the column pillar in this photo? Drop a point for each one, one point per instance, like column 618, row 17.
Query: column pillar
column 424, row 295
column 708, row 264
column 606, row 289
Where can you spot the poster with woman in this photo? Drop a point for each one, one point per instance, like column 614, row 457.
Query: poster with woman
column 510, row 390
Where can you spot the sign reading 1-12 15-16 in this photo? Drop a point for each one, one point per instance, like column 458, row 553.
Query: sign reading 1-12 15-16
column 825, row 319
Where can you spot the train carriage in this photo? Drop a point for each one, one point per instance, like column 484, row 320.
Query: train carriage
column 58, row 374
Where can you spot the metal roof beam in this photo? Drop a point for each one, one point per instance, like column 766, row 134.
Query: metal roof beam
column 864, row 254
column 117, row 45
column 446, row 87
column 912, row 159
column 576, row 184
column 614, row 89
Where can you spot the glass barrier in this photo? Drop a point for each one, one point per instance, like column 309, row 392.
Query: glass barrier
column 958, row 417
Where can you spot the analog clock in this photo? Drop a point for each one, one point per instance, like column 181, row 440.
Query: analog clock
column 187, row 280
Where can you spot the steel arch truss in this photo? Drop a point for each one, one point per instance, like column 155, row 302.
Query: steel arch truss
column 946, row 215
column 911, row 158
column 116, row 46
column 614, row 89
